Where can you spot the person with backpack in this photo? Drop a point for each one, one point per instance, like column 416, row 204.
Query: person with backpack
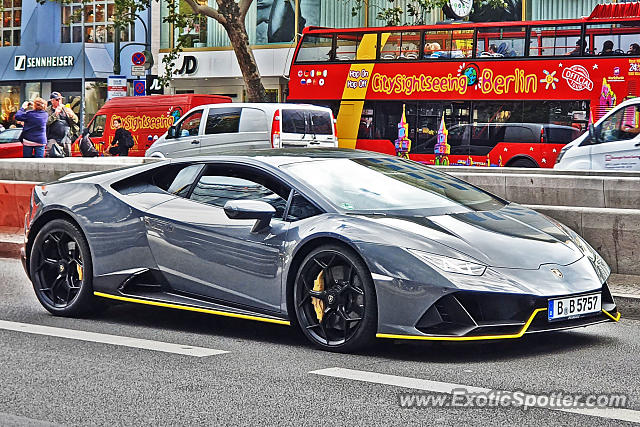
column 87, row 149
column 61, row 125
column 122, row 140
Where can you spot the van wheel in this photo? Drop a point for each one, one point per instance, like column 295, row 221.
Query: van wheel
column 523, row 163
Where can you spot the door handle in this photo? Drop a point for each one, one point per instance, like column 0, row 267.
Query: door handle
column 638, row 144
column 195, row 141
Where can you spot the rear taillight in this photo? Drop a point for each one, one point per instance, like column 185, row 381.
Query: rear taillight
column 542, row 135
column 275, row 130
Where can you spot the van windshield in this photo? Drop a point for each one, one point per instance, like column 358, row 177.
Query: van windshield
column 308, row 122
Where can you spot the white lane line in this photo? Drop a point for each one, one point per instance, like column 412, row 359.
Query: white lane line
column 621, row 414
column 187, row 350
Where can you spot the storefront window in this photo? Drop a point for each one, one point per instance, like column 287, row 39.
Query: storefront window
column 11, row 21
column 32, row 90
column 98, row 23
column 9, row 104
column 95, row 96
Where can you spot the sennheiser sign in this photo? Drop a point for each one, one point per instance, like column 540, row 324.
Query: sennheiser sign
column 22, row 62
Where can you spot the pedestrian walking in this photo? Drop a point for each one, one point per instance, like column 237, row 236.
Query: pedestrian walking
column 34, row 132
column 61, row 125
column 122, row 140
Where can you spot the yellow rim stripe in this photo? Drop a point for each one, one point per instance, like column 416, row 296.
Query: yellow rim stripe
column 609, row 314
column 196, row 309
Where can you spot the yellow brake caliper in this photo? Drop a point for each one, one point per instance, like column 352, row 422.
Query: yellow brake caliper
column 79, row 269
column 318, row 304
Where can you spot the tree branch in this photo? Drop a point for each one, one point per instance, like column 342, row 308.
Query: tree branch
column 244, row 8
column 207, row 11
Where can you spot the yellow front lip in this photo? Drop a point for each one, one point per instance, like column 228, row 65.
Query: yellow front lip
column 481, row 337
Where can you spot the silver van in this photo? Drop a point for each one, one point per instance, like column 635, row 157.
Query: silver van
column 214, row 128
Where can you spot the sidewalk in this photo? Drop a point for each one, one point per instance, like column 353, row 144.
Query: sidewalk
column 11, row 239
column 621, row 285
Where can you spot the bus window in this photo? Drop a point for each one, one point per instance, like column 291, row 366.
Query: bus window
column 501, row 42
column 315, row 48
column 366, row 128
column 347, row 46
column 613, row 39
column 555, row 41
column 437, row 44
column 462, row 45
column 405, row 45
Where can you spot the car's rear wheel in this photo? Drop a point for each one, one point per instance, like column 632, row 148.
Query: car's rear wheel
column 335, row 300
column 61, row 269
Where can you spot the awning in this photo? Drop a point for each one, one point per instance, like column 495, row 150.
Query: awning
column 615, row 11
column 97, row 63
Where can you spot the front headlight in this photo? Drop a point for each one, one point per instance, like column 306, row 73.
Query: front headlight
column 584, row 247
column 450, row 265
column 600, row 265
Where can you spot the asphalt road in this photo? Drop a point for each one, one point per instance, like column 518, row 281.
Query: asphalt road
column 264, row 377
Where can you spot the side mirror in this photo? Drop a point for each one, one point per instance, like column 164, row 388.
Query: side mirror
column 171, row 132
column 250, row 209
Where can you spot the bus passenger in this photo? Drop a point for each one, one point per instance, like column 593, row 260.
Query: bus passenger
column 577, row 50
column 634, row 49
column 607, row 48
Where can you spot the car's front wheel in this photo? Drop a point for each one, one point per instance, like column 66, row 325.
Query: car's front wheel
column 335, row 301
column 61, row 270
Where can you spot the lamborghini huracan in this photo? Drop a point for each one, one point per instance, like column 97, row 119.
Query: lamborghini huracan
column 345, row 245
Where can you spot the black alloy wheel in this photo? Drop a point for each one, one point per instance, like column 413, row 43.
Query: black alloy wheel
column 335, row 300
column 61, row 270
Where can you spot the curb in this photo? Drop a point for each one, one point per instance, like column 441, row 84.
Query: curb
column 10, row 249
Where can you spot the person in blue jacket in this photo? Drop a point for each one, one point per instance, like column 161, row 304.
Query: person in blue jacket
column 34, row 132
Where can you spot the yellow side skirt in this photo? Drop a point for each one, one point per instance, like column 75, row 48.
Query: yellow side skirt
column 480, row 337
column 196, row 309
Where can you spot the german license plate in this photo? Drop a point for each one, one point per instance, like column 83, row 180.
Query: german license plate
column 572, row 307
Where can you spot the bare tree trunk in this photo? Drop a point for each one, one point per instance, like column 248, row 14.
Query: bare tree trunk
column 231, row 15
column 240, row 42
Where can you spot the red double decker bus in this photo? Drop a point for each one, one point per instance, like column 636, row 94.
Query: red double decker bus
column 511, row 93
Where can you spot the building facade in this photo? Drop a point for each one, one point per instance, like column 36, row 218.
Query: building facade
column 49, row 47
column 208, row 64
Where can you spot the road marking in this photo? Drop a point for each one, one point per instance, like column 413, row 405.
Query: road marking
column 187, row 350
column 621, row 414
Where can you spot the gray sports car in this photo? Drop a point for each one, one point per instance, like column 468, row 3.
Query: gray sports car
column 345, row 245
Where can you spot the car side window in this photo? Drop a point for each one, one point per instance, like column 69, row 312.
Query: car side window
column 220, row 184
column 519, row 134
column 222, row 120
column 301, row 208
column 190, row 125
column 620, row 126
column 97, row 126
column 183, row 180
column 10, row 135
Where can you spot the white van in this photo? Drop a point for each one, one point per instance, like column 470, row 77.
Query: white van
column 214, row 128
column 613, row 143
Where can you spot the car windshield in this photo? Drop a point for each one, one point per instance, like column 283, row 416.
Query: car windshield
column 390, row 186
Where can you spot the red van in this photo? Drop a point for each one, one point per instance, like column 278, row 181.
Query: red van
column 146, row 117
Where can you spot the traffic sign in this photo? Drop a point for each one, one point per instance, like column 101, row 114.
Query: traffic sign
column 116, row 86
column 138, row 58
column 137, row 70
column 139, row 87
